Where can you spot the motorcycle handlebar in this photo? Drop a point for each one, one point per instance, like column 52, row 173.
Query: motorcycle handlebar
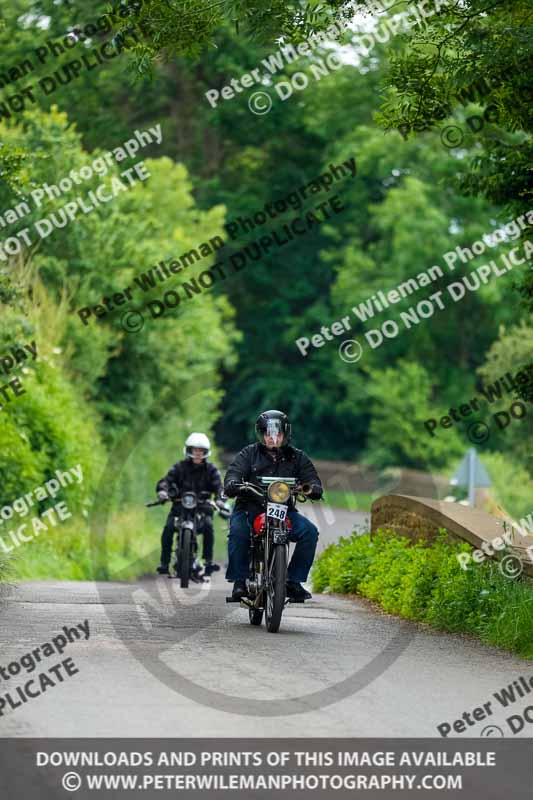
column 302, row 489
column 250, row 487
column 203, row 501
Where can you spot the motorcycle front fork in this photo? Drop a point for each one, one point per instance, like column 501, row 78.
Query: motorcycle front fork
column 194, row 564
column 258, row 584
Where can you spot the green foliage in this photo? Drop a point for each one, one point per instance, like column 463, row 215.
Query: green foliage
column 75, row 261
column 92, row 384
column 424, row 581
column 380, row 245
column 402, row 212
column 456, row 49
column 199, row 23
column 351, row 501
column 11, row 164
column 342, row 567
column 398, row 222
column 509, row 352
column 6, row 564
column 401, row 216
column 399, row 404
column 66, row 552
column 512, row 350
column 48, row 428
column 61, row 553
column 511, row 483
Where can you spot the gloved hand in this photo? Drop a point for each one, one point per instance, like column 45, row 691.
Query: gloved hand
column 230, row 489
column 162, row 495
column 220, row 503
column 316, row 491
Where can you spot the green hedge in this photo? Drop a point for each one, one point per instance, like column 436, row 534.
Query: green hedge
column 4, row 567
column 424, row 582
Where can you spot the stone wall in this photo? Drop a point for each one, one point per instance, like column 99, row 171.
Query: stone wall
column 420, row 517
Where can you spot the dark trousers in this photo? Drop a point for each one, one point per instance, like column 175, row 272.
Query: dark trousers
column 304, row 533
column 167, row 537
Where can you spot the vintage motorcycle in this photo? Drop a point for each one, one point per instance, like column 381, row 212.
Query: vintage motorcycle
column 187, row 522
column 269, row 550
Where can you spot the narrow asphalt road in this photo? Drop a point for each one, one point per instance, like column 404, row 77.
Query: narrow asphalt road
column 161, row 661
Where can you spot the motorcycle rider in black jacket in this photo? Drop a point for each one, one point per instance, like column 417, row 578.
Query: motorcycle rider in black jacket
column 270, row 456
column 194, row 474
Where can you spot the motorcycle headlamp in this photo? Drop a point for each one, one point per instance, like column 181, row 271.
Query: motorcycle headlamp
column 278, row 492
column 188, row 500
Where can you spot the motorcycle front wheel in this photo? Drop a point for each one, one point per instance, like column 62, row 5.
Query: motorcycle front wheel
column 184, row 558
column 275, row 591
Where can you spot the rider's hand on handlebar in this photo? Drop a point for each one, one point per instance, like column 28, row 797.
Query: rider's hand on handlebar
column 231, row 489
column 312, row 491
column 163, row 496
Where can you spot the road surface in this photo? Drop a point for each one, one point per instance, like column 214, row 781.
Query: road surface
column 161, row 661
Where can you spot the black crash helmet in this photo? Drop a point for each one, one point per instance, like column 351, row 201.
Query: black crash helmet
column 272, row 423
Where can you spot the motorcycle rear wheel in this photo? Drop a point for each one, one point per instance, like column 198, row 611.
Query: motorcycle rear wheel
column 184, row 558
column 275, row 593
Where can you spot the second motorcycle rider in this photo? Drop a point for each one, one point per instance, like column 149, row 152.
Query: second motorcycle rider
column 195, row 473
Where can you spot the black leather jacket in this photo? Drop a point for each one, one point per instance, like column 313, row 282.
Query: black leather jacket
column 255, row 460
column 186, row 476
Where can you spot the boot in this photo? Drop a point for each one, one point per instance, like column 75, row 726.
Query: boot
column 239, row 590
column 296, row 592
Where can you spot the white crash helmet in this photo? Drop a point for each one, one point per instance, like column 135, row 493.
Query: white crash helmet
column 197, row 440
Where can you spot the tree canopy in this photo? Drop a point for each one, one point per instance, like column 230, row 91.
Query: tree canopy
column 412, row 200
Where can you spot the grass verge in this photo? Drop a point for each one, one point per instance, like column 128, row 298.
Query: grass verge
column 351, row 501
column 5, row 567
column 130, row 549
column 424, row 582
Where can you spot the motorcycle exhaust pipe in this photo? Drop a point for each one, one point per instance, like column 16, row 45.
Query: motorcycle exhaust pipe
column 306, row 488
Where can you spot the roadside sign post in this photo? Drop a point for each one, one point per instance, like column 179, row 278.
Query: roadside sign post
column 471, row 475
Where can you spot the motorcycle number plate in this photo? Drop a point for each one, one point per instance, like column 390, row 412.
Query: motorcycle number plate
column 276, row 511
